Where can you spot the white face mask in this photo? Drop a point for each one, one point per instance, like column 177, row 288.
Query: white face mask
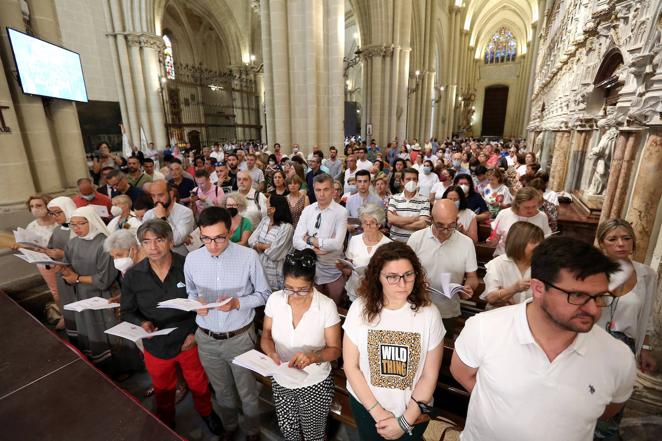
column 465, row 189
column 115, row 210
column 411, row 186
column 123, row 264
column 457, row 204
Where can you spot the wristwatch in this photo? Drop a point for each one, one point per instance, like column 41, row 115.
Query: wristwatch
column 647, row 347
column 77, row 279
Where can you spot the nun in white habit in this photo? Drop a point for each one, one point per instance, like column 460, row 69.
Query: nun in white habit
column 91, row 274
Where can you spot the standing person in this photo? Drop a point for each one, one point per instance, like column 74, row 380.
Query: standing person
column 427, row 179
column 178, row 216
column 322, row 227
column 91, row 274
column 279, row 184
column 443, row 249
column 257, row 175
column 149, row 168
column 408, row 211
column 466, row 219
column 362, row 162
column 629, row 318
column 135, row 174
column 88, row 196
column 508, row 277
column 438, row 189
column 233, row 168
column 205, row 194
column 496, row 194
column 256, row 202
column 119, row 181
column 272, row 239
column 392, row 348
column 475, row 201
column 314, row 164
column 241, row 227
column 333, row 164
column 302, row 327
column 297, row 198
column 350, row 171
column 154, row 279
column 362, row 196
column 227, row 331
column 123, row 216
column 180, row 182
column 61, row 209
column 548, row 348
column 395, row 183
column 363, row 246
column 525, row 208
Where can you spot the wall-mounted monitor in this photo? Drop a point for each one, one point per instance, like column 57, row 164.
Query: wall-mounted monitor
column 46, row 69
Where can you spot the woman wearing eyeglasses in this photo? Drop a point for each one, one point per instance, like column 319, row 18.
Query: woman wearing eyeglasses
column 302, row 328
column 91, row 273
column 392, row 347
column 241, row 228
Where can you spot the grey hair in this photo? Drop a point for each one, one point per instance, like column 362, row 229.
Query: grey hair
column 374, row 211
column 322, row 178
column 120, row 239
column 123, row 199
column 239, row 198
column 160, row 228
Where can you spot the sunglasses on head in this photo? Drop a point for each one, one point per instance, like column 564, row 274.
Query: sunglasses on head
column 300, row 260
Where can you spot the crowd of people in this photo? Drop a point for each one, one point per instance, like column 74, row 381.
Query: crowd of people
column 379, row 235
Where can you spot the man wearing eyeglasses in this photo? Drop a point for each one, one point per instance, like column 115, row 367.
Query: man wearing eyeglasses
column 214, row 273
column 540, row 369
column 443, row 249
column 157, row 278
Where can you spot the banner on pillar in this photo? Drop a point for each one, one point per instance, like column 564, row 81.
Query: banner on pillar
column 143, row 140
column 126, row 145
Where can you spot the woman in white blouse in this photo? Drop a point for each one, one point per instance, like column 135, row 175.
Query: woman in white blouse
column 362, row 246
column 301, row 330
column 508, row 276
column 629, row 317
column 124, row 218
column 272, row 239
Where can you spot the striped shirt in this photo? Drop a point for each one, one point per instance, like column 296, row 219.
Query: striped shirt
column 415, row 207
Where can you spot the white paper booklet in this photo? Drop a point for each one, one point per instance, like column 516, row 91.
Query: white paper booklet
column 190, row 305
column 95, row 303
column 101, row 210
column 265, row 366
column 351, row 265
column 29, row 238
column 36, row 257
column 134, row 332
column 448, row 289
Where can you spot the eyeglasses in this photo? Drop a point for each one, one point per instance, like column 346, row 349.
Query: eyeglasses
column 394, row 279
column 217, row 239
column 77, row 224
column 581, row 298
column 442, row 227
column 55, row 213
column 303, row 261
column 369, row 223
column 318, row 222
column 298, row 292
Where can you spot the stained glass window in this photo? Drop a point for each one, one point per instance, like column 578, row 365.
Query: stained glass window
column 501, row 48
column 168, row 61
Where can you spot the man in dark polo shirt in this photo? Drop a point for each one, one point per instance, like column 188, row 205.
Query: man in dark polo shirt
column 157, row 278
column 121, row 184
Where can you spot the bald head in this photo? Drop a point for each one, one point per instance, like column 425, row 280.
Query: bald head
column 444, row 212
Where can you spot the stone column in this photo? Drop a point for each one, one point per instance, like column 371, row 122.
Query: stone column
column 559, row 166
column 646, row 193
column 624, row 177
column 151, row 46
column 614, row 174
column 66, row 126
column 37, row 139
column 576, row 158
column 136, row 68
column 268, row 85
column 14, row 167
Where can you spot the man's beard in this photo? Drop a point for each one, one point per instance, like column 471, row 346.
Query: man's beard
column 566, row 324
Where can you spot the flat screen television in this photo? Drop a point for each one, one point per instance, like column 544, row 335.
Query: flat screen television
column 46, row 69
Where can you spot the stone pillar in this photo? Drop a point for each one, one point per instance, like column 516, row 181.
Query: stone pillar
column 14, row 167
column 624, row 177
column 560, row 161
column 66, row 126
column 614, row 174
column 136, row 68
column 576, row 158
column 151, row 45
column 646, row 193
column 37, row 139
column 268, row 82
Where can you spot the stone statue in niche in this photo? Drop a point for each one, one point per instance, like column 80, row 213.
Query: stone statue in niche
column 600, row 161
column 537, row 147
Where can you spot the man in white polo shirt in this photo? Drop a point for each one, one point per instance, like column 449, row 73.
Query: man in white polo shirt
column 443, row 249
column 540, row 370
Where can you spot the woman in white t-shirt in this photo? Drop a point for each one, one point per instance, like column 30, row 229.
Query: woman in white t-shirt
column 496, row 194
column 525, row 208
column 466, row 219
column 301, row 330
column 508, row 276
column 427, row 178
column 362, row 247
column 392, row 347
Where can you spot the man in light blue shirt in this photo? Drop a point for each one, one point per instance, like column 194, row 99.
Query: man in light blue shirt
column 224, row 270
